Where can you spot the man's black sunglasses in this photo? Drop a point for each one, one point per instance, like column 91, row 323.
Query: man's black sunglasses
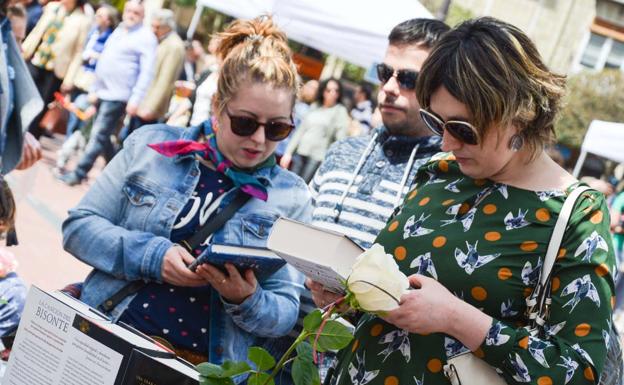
column 405, row 78
column 246, row 126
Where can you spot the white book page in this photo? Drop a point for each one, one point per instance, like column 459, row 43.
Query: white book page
column 48, row 350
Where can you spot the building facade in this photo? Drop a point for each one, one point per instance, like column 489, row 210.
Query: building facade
column 558, row 27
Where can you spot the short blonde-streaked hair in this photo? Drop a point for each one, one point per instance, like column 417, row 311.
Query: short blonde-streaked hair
column 496, row 71
column 254, row 50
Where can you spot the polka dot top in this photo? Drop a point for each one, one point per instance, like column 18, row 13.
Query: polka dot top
column 486, row 242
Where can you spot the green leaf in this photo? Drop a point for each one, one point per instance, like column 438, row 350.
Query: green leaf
column 319, row 348
column 305, row 372
column 260, row 357
column 312, row 321
column 207, row 369
column 215, row 381
column 334, row 336
column 231, row 368
column 304, row 351
column 260, row 378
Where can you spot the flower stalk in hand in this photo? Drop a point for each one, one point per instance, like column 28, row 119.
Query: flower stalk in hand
column 375, row 285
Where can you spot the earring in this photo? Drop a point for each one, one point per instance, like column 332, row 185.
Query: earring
column 516, row 143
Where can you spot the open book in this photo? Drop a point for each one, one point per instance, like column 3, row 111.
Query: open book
column 62, row 341
column 322, row 255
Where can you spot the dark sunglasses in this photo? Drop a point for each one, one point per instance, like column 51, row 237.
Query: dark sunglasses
column 246, row 126
column 405, row 78
column 462, row 131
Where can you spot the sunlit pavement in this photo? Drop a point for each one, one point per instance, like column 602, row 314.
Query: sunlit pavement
column 42, row 204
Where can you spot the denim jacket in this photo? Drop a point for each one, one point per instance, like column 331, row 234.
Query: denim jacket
column 20, row 101
column 122, row 227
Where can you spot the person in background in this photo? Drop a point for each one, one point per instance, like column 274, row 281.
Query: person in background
column 106, row 20
column 306, row 97
column 193, row 61
column 167, row 68
column 210, row 60
column 362, row 113
column 326, row 122
column 53, row 49
column 123, row 73
column 17, row 16
column 473, row 231
column 34, row 10
column 168, row 182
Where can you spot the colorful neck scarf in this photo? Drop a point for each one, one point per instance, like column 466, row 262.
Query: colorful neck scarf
column 243, row 179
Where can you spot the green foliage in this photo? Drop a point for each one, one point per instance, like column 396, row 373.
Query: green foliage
column 305, row 372
column 185, row 3
column 312, row 321
column 328, row 333
column 333, row 336
column 353, row 72
column 260, row 357
column 215, row 381
column 457, row 15
column 209, row 370
column 590, row 95
column 304, row 351
column 260, row 378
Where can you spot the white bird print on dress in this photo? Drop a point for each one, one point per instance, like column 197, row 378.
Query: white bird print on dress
column 581, row 288
column 590, row 245
column 397, row 340
column 471, row 260
column 414, row 228
column 424, row 264
column 516, row 222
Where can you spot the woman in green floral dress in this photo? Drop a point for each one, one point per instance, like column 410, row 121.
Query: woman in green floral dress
column 473, row 232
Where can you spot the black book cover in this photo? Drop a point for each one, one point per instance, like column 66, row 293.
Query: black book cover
column 144, row 370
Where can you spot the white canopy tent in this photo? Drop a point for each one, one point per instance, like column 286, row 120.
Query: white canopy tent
column 605, row 139
column 354, row 30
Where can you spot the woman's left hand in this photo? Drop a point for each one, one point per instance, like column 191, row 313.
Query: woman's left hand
column 424, row 309
column 232, row 286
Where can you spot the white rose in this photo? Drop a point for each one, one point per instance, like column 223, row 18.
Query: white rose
column 376, row 281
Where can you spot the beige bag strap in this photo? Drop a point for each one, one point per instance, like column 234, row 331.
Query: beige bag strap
column 539, row 301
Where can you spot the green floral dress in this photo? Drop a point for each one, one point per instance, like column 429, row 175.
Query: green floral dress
column 485, row 242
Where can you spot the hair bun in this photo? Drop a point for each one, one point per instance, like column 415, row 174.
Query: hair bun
column 254, row 32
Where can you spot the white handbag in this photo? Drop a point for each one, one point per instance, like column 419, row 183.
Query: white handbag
column 468, row 369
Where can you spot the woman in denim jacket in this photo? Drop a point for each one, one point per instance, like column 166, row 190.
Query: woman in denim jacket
column 168, row 181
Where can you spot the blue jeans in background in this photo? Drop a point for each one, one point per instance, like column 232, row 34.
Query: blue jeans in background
column 74, row 124
column 107, row 120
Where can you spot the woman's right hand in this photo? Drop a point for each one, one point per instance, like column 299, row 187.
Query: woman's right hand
column 285, row 161
column 175, row 268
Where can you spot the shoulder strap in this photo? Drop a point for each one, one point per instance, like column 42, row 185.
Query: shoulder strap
column 559, row 230
column 539, row 301
column 216, row 222
column 190, row 244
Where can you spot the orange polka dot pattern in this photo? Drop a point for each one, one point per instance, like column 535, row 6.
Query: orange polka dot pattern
column 486, row 242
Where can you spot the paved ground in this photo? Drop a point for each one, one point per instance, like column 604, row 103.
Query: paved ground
column 42, row 204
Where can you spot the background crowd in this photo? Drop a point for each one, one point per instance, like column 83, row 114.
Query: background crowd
column 358, row 161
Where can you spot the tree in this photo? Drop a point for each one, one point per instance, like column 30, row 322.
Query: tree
column 591, row 95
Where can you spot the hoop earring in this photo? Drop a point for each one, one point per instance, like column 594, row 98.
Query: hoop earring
column 516, row 143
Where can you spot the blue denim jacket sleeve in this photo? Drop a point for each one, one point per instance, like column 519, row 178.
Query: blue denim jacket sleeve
column 258, row 314
column 122, row 253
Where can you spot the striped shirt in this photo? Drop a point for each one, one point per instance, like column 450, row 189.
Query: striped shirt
column 377, row 188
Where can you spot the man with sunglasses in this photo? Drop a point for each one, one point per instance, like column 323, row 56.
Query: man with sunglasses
column 362, row 179
column 374, row 171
